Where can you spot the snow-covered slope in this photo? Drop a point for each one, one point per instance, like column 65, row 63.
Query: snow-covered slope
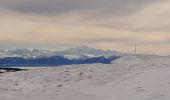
column 142, row 59
column 140, row 77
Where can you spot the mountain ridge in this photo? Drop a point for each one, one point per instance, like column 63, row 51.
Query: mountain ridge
column 51, row 61
column 72, row 53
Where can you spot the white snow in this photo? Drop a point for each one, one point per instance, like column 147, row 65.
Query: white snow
column 71, row 57
column 140, row 77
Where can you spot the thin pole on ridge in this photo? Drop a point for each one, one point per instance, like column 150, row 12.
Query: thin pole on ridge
column 135, row 49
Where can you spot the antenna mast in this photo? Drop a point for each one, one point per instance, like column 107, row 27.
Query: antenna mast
column 135, row 49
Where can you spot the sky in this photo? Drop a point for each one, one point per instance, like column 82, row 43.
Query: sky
column 104, row 24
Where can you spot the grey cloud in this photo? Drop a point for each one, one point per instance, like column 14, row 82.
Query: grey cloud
column 165, row 42
column 108, row 40
column 115, row 7
column 59, row 46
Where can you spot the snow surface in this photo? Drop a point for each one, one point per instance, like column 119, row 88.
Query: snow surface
column 140, row 77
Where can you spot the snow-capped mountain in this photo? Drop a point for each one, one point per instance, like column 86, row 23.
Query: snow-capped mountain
column 25, row 53
column 72, row 53
column 86, row 52
column 36, row 57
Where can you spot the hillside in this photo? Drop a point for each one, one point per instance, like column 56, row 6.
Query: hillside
column 140, row 77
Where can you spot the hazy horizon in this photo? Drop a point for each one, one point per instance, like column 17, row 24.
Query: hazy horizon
column 109, row 25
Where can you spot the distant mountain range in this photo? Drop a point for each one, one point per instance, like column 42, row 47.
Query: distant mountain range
column 51, row 61
column 72, row 53
column 36, row 57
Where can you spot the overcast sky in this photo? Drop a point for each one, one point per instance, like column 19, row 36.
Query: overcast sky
column 105, row 24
